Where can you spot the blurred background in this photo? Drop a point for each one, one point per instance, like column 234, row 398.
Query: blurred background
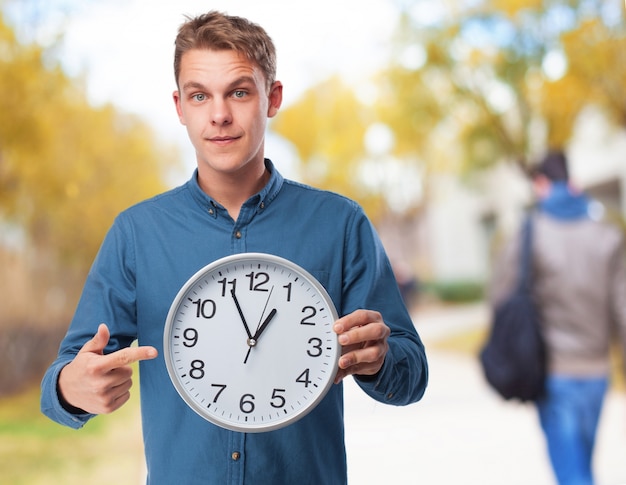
column 427, row 112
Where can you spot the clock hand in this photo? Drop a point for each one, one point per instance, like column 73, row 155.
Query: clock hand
column 247, row 354
column 264, row 308
column 264, row 325
column 243, row 319
column 252, row 341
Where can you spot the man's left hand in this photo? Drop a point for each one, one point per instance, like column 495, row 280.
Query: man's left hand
column 363, row 335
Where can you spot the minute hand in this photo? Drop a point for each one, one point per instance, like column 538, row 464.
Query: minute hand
column 264, row 325
column 243, row 319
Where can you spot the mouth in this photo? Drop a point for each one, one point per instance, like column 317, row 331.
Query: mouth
column 223, row 140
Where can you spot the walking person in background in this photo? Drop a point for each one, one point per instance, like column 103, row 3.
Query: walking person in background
column 579, row 282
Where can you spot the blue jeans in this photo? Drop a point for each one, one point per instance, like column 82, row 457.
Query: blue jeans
column 569, row 414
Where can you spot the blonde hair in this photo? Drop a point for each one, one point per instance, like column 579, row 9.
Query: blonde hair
column 218, row 31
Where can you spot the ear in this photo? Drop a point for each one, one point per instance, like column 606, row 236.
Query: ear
column 275, row 99
column 179, row 109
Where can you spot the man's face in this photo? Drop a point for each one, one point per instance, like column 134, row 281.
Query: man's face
column 223, row 102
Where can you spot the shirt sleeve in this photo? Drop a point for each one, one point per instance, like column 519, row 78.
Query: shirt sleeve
column 50, row 403
column 369, row 283
column 108, row 297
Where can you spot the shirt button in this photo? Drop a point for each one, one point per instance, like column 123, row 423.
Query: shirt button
column 238, row 234
column 236, row 455
column 211, row 211
column 390, row 395
column 262, row 206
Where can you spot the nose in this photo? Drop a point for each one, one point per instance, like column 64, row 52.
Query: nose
column 220, row 113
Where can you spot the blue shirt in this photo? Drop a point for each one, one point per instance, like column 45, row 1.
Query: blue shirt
column 150, row 252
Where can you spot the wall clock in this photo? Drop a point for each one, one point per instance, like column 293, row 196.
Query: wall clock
column 249, row 342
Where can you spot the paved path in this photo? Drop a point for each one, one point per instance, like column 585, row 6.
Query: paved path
column 461, row 433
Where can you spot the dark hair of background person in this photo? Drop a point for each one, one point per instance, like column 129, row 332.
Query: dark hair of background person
column 552, row 166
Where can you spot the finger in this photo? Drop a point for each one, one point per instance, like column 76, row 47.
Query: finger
column 357, row 318
column 129, row 356
column 118, row 397
column 123, row 399
column 99, row 341
column 340, row 375
column 361, row 369
column 362, row 358
column 122, row 389
column 371, row 333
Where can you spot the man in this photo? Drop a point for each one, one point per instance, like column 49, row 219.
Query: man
column 235, row 202
column 579, row 281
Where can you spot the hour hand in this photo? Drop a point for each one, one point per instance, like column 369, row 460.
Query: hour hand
column 264, row 325
column 243, row 319
column 252, row 341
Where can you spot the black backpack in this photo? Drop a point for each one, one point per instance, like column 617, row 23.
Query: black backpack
column 513, row 358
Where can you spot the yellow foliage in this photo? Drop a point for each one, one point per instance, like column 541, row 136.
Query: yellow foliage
column 66, row 168
column 512, row 8
column 597, row 58
column 561, row 102
column 481, row 96
column 327, row 125
column 411, row 106
column 328, row 122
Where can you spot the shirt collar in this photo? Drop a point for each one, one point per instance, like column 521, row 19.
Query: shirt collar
column 262, row 199
column 273, row 186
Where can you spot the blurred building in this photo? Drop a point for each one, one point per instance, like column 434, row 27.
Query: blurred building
column 598, row 161
column 454, row 238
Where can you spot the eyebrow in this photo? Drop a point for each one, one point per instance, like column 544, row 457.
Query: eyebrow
column 237, row 82
column 193, row 85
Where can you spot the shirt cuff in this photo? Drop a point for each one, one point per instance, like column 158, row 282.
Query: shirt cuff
column 51, row 404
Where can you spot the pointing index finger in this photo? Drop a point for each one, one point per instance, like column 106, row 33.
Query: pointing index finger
column 130, row 355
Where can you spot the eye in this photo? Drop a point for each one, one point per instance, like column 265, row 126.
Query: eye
column 198, row 97
column 239, row 93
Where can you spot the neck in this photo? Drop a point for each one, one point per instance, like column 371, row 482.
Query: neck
column 232, row 190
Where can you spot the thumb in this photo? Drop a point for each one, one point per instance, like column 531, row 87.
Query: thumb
column 99, row 341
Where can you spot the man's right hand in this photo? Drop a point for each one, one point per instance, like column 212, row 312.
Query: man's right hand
column 96, row 383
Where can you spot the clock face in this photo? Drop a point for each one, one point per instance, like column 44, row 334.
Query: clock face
column 249, row 342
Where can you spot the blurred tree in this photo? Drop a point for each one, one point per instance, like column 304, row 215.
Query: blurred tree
column 327, row 126
column 67, row 168
column 596, row 53
column 468, row 85
column 475, row 83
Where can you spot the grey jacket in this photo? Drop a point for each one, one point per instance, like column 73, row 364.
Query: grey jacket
column 579, row 282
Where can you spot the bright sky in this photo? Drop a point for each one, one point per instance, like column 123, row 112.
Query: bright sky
column 125, row 48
